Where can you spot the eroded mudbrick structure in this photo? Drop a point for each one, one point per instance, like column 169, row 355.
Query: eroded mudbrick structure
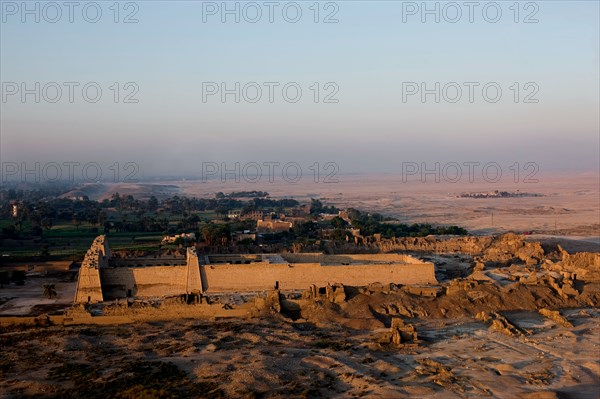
column 102, row 277
column 89, row 288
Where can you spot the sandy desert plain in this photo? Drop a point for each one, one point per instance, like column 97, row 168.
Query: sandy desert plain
column 569, row 205
column 514, row 319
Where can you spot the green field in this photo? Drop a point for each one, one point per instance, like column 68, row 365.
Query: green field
column 66, row 242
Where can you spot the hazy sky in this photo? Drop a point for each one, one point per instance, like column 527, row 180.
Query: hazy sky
column 371, row 61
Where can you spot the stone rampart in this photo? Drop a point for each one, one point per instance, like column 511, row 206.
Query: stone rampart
column 265, row 276
column 89, row 283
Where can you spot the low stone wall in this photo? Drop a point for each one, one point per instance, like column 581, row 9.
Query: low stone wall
column 132, row 315
column 31, row 321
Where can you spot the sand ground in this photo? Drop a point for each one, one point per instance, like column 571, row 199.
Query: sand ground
column 28, row 299
column 275, row 358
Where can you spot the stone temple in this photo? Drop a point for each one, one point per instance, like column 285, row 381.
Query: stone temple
column 103, row 277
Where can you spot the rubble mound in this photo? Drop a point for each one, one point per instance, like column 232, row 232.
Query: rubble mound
column 511, row 248
column 499, row 323
column 556, row 316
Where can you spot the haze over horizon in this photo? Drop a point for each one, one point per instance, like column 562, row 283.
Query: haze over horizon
column 368, row 61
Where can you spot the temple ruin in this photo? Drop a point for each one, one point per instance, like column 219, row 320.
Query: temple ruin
column 103, row 277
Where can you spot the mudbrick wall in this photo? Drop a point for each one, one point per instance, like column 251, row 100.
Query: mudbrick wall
column 89, row 288
column 263, row 276
column 152, row 281
column 155, row 281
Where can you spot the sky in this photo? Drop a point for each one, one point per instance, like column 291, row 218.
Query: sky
column 367, row 85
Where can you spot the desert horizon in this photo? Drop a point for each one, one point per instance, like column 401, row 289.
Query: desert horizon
column 566, row 205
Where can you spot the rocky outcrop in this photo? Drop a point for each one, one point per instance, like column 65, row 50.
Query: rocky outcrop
column 502, row 250
column 556, row 316
column 582, row 265
column 499, row 323
column 510, row 247
column 468, row 245
column 562, row 284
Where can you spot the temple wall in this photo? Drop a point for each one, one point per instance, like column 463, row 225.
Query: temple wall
column 97, row 281
column 263, row 276
column 152, row 281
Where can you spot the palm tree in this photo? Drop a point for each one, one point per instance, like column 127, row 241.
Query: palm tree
column 76, row 222
column 49, row 291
